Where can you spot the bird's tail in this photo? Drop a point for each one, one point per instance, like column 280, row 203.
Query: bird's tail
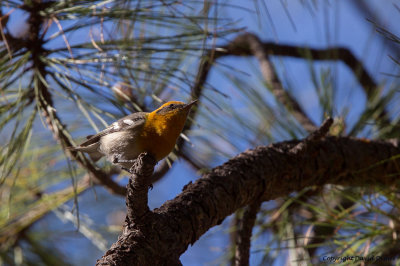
column 94, row 154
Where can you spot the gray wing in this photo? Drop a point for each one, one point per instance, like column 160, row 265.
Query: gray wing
column 128, row 122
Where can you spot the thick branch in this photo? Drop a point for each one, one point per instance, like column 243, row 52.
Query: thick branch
column 263, row 173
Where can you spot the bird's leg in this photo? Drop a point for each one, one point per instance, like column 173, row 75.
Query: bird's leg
column 118, row 160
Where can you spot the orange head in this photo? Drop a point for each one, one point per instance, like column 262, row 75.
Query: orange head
column 163, row 127
column 173, row 112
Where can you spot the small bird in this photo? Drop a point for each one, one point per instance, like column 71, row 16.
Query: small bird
column 123, row 141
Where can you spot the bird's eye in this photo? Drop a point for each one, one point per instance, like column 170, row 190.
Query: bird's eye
column 171, row 105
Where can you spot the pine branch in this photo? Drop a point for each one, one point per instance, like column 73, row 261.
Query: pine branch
column 280, row 171
column 44, row 99
column 249, row 44
column 268, row 71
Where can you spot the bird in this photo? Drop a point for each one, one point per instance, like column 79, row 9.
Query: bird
column 124, row 140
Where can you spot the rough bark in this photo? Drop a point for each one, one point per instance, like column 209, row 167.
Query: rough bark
column 263, row 173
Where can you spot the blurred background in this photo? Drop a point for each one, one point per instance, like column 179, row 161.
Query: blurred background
column 69, row 68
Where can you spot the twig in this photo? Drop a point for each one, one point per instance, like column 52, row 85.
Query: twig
column 314, row 136
column 240, row 46
column 243, row 238
column 322, row 131
column 237, row 48
column 270, row 76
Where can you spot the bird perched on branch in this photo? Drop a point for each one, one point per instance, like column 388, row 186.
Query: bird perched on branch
column 155, row 133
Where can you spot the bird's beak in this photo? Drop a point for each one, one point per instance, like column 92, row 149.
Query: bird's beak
column 189, row 105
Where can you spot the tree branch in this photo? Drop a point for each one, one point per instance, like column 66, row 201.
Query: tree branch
column 44, row 101
column 314, row 136
column 279, row 171
column 249, row 44
column 239, row 47
column 243, row 238
column 268, row 71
